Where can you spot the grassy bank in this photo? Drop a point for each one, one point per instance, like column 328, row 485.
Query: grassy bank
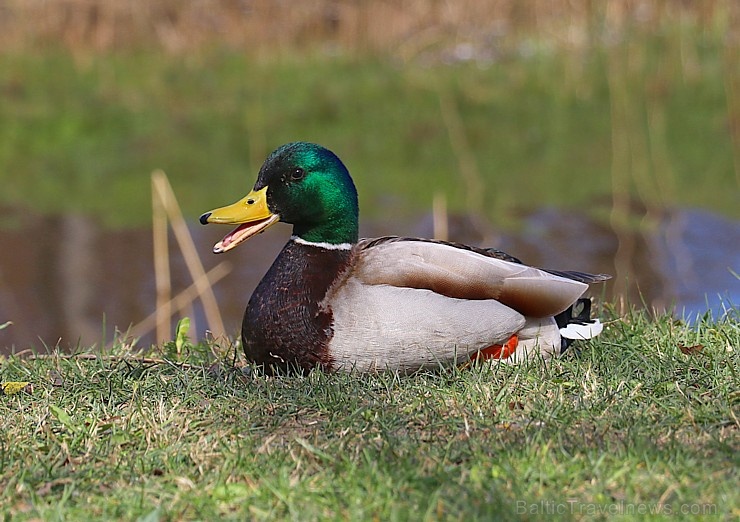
column 647, row 119
column 645, row 419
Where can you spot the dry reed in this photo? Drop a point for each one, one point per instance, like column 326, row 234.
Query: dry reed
column 405, row 28
column 166, row 208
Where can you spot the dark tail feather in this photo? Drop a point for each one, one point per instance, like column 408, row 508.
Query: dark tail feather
column 583, row 277
column 575, row 323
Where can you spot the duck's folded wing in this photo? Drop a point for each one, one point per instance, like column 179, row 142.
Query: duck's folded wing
column 464, row 273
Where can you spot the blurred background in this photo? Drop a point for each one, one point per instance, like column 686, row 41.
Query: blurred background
column 592, row 135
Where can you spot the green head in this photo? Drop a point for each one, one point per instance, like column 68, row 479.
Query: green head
column 300, row 183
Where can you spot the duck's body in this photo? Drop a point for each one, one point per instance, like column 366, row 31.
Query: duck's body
column 332, row 301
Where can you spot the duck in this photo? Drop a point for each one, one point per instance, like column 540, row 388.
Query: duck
column 336, row 302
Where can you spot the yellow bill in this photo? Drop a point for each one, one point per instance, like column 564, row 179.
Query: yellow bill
column 250, row 213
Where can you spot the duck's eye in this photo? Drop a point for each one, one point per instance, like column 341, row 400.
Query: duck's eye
column 297, row 174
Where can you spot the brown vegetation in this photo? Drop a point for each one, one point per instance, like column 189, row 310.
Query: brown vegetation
column 406, row 28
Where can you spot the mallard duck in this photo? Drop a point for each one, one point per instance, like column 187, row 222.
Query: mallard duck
column 400, row 303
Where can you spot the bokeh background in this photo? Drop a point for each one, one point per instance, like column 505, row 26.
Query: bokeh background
column 591, row 135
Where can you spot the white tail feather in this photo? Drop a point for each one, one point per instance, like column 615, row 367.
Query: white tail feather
column 578, row 332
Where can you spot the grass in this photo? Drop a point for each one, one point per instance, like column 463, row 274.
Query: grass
column 643, row 421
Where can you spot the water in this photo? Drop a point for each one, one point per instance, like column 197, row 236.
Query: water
column 65, row 280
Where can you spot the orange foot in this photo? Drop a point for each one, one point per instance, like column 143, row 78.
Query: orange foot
column 498, row 351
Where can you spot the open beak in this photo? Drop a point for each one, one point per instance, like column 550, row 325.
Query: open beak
column 250, row 213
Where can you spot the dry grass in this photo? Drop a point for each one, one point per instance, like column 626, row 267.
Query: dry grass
column 404, row 28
